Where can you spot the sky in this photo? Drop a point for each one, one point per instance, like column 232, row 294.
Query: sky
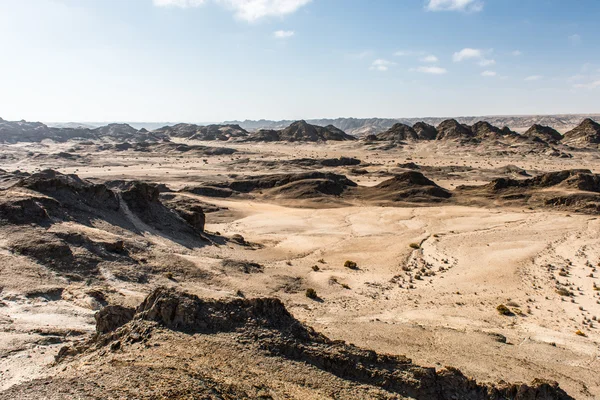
column 216, row 60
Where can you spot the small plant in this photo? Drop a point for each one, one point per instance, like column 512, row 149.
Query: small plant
column 503, row 310
column 169, row 275
column 415, row 246
column 315, row 268
column 564, row 292
column 350, row 264
column 345, row 286
column 580, row 333
column 311, row 293
column 322, row 261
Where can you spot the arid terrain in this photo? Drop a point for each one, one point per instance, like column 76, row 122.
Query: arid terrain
column 430, row 262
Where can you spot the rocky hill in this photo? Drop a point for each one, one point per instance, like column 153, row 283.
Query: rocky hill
column 371, row 126
column 301, row 131
column 585, row 134
column 544, row 133
column 23, row 131
column 208, row 132
column 243, row 349
column 398, row 133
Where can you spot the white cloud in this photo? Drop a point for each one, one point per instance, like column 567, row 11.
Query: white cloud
column 409, row 53
column 533, row 78
column 248, row 10
column 178, row 3
column 591, row 85
column 486, row 63
column 467, row 54
column 516, row 53
column 431, row 70
column 455, row 5
column 488, row 73
column 283, row 34
column 429, row 59
column 575, row 39
column 473, row 54
column 381, row 65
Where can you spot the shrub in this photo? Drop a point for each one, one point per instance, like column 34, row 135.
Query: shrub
column 414, row 246
column 350, row 264
column 345, row 286
column 169, row 275
column 311, row 293
column 503, row 310
column 564, row 292
column 315, row 268
column 322, row 261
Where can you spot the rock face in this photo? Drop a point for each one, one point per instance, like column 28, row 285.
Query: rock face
column 263, row 329
column 587, row 133
column 188, row 209
column 110, row 318
column 425, row 131
column 48, row 213
column 544, row 133
column 209, row 132
column 301, row 131
column 484, row 130
column 452, row 130
column 398, row 133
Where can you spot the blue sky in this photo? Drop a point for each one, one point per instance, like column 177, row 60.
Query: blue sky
column 214, row 60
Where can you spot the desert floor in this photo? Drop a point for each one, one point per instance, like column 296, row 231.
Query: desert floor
column 482, row 257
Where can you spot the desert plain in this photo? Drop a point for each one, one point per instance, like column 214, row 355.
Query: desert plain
column 449, row 272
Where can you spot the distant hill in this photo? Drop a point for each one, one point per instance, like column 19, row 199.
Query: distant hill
column 372, row 126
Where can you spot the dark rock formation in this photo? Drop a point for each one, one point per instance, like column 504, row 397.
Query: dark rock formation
column 110, row 318
column 266, row 326
column 409, row 186
column 425, row 131
column 209, row 132
column 398, row 133
column 23, row 131
column 452, row 130
column 587, row 133
column 188, row 209
column 544, row 133
column 300, row 131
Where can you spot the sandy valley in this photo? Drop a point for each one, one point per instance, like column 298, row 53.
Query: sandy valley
column 477, row 256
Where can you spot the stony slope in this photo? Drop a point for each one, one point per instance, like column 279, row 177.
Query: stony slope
column 257, row 350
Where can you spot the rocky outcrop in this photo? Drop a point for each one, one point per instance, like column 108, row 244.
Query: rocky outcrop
column 301, row 131
column 23, row 131
column 208, row 132
column 485, row 131
column 301, row 185
column 110, row 318
column 188, row 209
column 586, row 134
column 574, row 190
column 398, row 133
column 425, row 131
column 264, row 328
column 452, row 130
column 410, row 186
column 544, row 133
